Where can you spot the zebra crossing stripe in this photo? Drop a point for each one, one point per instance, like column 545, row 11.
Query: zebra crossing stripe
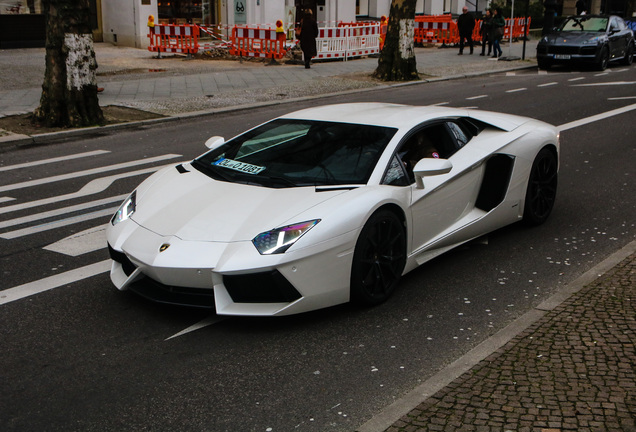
column 57, row 224
column 53, row 160
column 51, row 282
column 86, row 172
column 90, row 188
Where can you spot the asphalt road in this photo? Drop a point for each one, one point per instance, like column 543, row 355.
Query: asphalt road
column 83, row 356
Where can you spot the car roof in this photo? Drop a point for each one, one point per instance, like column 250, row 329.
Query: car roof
column 377, row 113
column 400, row 116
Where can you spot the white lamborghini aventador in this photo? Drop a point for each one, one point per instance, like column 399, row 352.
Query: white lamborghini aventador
column 329, row 204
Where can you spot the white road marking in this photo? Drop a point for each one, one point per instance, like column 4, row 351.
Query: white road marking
column 622, row 98
column 477, row 97
column 576, row 79
column 51, row 282
column 53, row 160
column 81, row 243
column 57, row 224
column 440, row 103
column 597, row 117
column 606, row 84
column 211, row 320
column 60, row 211
column 90, row 188
column 548, row 84
column 511, row 74
column 86, row 172
column 516, row 90
column 601, row 74
column 5, row 199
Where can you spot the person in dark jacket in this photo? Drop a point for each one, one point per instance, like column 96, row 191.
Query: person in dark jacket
column 581, row 7
column 486, row 33
column 308, row 35
column 498, row 30
column 465, row 26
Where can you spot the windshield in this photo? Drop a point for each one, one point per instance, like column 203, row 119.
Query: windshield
column 291, row 153
column 582, row 23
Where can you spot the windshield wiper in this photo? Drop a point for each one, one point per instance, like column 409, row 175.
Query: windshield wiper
column 279, row 180
column 212, row 171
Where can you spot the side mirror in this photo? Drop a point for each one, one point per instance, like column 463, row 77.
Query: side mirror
column 430, row 167
column 214, row 142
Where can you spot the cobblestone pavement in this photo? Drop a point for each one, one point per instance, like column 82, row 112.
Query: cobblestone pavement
column 573, row 370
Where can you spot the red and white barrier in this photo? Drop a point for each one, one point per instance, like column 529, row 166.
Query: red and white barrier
column 346, row 42
column 255, row 42
column 172, row 38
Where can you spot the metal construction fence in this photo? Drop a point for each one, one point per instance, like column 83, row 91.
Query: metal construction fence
column 347, row 40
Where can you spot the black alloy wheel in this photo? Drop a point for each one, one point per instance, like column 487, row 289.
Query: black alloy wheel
column 542, row 188
column 603, row 61
column 378, row 259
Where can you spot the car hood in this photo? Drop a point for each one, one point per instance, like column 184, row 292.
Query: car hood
column 571, row 38
column 194, row 207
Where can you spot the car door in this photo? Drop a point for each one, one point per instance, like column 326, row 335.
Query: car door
column 445, row 199
column 616, row 39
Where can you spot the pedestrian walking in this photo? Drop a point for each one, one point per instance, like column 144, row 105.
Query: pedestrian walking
column 486, row 33
column 498, row 30
column 308, row 35
column 581, row 7
column 465, row 25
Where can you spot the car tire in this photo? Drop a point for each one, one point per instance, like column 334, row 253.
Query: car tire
column 544, row 64
column 629, row 55
column 378, row 259
column 603, row 60
column 542, row 188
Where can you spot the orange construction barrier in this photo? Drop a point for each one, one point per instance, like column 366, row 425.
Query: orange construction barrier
column 516, row 26
column 435, row 29
column 257, row 42
column 174, row 38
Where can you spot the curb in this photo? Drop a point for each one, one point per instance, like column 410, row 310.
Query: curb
column 17, row 140
column 392, row 413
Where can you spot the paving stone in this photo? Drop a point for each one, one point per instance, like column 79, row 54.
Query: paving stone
column 567, row 372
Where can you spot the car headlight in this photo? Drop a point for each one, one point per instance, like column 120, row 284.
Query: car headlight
column 594, row 41
column 126, row 209
column 279, row 240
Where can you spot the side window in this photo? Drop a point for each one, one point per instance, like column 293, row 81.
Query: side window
column 614, row 25
column 433, row 141
column 396, row 174
column 620, row 24
column 461, row 136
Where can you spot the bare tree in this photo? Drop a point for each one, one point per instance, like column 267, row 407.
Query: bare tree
column 69, row 92
column 397, row 59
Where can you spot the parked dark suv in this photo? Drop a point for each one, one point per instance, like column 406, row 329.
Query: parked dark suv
column 590, row 39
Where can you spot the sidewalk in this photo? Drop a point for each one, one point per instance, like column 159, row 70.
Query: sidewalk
column 567, row 365
column 173, row 85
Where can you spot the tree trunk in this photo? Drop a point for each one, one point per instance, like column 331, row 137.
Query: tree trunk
column 69, row 92
column 397, row 59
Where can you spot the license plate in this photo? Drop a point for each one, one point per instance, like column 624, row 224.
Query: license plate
column 239, row 166
column 562, row 56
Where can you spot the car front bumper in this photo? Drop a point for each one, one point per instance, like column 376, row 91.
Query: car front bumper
column 568, row 53
column 232, row 278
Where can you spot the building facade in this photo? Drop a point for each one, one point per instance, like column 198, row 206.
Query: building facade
column 125, row 22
